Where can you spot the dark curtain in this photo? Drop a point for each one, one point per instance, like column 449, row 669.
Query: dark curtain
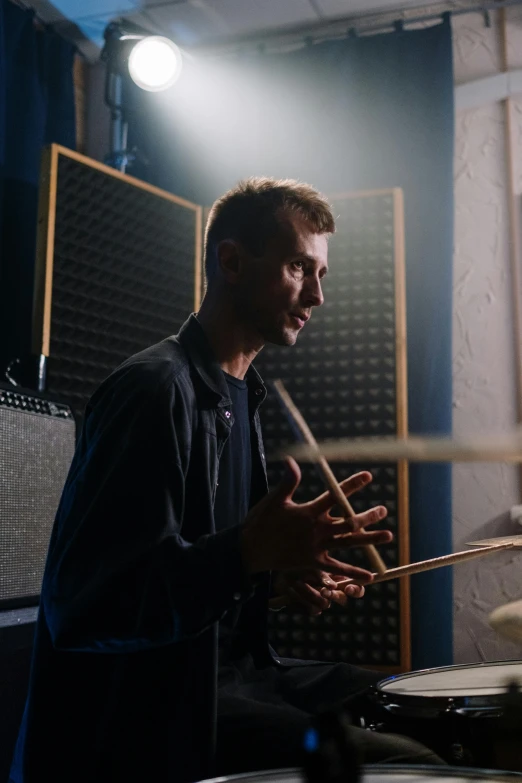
column 36, row 108
column 359, row 113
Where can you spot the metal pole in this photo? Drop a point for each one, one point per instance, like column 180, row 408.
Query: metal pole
column 338, row 27
column 117, row 157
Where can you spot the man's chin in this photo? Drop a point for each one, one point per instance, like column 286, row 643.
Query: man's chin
column 285, row 337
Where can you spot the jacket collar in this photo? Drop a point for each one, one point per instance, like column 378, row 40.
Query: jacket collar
column 194, row 341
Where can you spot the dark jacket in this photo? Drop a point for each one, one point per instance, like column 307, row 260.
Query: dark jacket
column 123, row 682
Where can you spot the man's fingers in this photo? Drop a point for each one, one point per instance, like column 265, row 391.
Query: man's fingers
column 358, row 522
column 348, row 486
column 317, row 578
column 348, row 591
column 309, row 595
column 363, row 538
column 370, row 517
column 290, row 481
column 337, row 597
column 339, row 528
column 354, row 591
column 374, row 537
column 337, row 567
column 312, row 601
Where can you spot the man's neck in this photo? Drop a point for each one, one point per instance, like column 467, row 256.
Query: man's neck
column 234, row 347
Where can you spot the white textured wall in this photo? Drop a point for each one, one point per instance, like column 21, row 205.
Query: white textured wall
column 483, row 341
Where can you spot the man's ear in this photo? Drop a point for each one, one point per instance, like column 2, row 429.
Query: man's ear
column 230, row 259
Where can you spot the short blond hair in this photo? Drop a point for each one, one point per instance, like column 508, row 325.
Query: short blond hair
column 250, row 214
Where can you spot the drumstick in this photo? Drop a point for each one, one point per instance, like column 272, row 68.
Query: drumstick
column 434, row 562
column 373, row 556
column 413, row 568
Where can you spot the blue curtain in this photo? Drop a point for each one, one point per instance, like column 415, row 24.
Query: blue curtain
column 36, row 108
column 359, row 113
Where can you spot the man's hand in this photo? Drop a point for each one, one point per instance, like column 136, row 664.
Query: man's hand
column 311, row 591
column 280, row 535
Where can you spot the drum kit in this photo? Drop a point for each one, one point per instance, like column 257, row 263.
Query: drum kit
column 380, row 773
column 471, row 715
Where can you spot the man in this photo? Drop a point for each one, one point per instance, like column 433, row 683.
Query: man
column 165, row 529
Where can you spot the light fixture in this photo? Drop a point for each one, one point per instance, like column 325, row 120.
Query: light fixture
column 133, row 55
column 155, row 63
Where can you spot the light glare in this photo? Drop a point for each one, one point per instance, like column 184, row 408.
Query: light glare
column 155, row 63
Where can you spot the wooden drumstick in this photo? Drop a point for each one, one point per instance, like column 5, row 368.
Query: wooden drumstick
column 413, row 568
column 373, row 556
column 434, row 562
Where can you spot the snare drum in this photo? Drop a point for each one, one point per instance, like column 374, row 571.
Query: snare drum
column 458, row 711
column 384, row 773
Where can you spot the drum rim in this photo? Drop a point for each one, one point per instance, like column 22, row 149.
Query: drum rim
column 446, row 771
column 430, row 705
column 426, row 770
column 453, row 667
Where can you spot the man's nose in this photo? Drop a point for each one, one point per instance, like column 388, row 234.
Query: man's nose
column 314, row 293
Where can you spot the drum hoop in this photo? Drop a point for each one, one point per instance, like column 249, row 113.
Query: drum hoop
column 265, row 774
column 458, row 667
column 454, row 667
column 429, row 705
column 443, row 771
column 469, row 773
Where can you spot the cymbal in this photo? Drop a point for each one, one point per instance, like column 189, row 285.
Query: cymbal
column 496, row 448
column 516, row 541
column 507, row 620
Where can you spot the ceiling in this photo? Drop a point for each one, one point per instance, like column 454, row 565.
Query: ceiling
column 201, row 22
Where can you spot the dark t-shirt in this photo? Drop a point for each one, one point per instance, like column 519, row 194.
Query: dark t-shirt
column 233, row 493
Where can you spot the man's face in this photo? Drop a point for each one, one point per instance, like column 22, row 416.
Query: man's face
column 277, row 291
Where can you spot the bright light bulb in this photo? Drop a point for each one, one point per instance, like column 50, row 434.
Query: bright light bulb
column 155, row 63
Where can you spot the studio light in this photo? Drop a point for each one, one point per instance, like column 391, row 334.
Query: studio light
column 155, row 63
column 133, row 55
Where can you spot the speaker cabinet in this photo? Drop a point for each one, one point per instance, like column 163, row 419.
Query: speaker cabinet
column 37, row 441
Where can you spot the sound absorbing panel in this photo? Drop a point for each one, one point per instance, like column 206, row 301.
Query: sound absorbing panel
column 118, row 269
column 347, row 375
column 37, row 440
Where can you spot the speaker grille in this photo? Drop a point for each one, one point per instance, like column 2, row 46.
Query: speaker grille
column 37, row 441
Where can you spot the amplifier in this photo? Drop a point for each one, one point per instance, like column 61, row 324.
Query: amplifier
column 37, row 442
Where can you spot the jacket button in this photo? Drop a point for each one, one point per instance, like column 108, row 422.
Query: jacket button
column 259, row 392
column 228, row 414
column 237, row 596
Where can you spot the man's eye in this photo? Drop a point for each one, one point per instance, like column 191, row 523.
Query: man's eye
column 298, row 264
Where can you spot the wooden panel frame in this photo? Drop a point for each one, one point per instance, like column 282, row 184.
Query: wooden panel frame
column 401, row 370
column 42, row 302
